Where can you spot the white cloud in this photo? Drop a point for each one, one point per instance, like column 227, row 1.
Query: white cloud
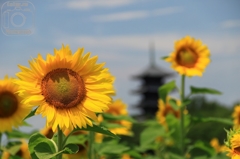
column 129, row 15
column 220, row 44
column 231, row 23
column 120, row 16
column 89, row 4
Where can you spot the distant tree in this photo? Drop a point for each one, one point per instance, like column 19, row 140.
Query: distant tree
column 205, row 131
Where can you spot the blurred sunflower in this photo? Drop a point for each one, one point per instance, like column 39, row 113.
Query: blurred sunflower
column 165, row 108
column 23, row 152
column 190, row 57
column 233, row 143
column 236, row 116
column 116, row 108
column 67, row 88
column 126, row 156
column 12, row 112
column 216, row 145
column 47, row 131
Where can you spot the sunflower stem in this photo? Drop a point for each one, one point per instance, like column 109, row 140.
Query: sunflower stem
column 59, row 142
column 91, row 149
column 182, row 131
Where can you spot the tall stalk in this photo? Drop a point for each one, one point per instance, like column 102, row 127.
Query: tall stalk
column 91, row 153
column 182, row 130
column 59, row 142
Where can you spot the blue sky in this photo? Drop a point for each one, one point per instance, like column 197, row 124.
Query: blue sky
column 119, row 32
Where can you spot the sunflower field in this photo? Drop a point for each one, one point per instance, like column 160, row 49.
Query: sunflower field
column 75, row 94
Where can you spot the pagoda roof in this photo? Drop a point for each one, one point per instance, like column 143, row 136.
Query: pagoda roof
column 153, row 71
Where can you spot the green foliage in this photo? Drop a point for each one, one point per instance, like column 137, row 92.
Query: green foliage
column 32, row 113
column 111, row 117
column 207, row 115
column 99, row 129
column 111, row 148
column 40, row 146
column 18, row 134
column 196, row 90
column 12, row 147
column 150, row 134
column 165, row 89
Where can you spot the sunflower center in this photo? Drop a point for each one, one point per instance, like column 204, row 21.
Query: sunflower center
column 169, row 109
column 237, row 150
column 187, row 58
column 63, row 88
column 8, row 104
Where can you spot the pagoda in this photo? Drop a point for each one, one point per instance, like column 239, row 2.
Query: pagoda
column 151, row 79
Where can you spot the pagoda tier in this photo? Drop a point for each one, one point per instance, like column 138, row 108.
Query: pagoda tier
column 151, row 79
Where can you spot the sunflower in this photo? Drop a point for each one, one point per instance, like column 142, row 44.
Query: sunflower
column 233, row 143
column 118, row 107
column 190, row 57
column 67, row 88
column 47, row 131
column 236, row 116
column 164, row 109
column 216, row 145
column 12, row 112
column 126, row 156
column 23, row 152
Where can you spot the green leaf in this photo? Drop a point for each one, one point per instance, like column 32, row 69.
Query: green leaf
column 173, row 103
column 45, row 150
column 99, row 129
column 77, row 139
column 18, row 134
column 196, row 90
column 15, row 157
column 70, row 149
column 175, row 156
column 134, row 153
column 215, row 119
column 165, row 89
column 163, row 58
column 32, row 113
column 108, row 116
column 185, row 102
column 111, row 125
column 111, row 148
column 12, row 147
column 201, row 157
column 150, row 134
column 38, row 144
column 201, row 145
column 151, row 157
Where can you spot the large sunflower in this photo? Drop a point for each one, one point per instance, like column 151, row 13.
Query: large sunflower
column 67, row 88
column 236, row 116
column 190, row 57
column 12, row 112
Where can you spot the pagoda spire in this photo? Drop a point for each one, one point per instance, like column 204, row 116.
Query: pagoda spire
column 152, row 54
